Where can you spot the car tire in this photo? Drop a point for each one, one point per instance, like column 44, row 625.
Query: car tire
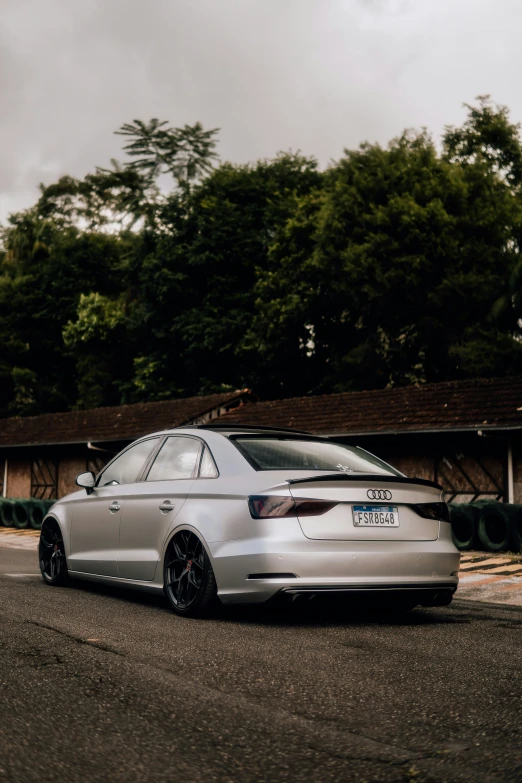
column 6, row 512
column 51, row 554
column 464, row 526
column 494, row 528
column 20, row 515
column 188, row 578
column 35, row 513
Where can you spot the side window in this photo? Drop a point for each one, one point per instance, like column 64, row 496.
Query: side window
column 208, row 466
column 177, row 459
column 126, row 468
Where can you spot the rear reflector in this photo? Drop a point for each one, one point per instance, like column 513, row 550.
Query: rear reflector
column 272, row 576
column 272, row 506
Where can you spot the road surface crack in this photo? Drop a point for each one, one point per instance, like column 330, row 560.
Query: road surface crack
column 77, row 639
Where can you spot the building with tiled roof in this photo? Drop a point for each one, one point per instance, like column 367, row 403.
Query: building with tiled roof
column 491, row 404
column 466, row 435
column 41, row 455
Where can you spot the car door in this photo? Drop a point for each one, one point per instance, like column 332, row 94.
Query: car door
column 96, row 518
column 150, row 507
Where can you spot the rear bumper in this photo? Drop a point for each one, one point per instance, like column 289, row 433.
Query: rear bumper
column 256, row 570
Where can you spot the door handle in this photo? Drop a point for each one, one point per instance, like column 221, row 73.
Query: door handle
column 166, row 506
column 115, row 506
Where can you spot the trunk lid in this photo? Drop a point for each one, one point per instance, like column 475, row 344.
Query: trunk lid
column 370, row 493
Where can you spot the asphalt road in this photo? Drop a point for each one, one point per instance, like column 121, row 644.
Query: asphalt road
column 106, row 685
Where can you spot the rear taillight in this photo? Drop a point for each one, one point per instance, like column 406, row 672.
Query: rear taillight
column 272, row 506
column 432, row 511
column 268, row 506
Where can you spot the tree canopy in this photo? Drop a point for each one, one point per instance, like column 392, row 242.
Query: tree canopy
column 172, row 274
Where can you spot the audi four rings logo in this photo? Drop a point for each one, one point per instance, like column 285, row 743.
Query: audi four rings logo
column 379, row 494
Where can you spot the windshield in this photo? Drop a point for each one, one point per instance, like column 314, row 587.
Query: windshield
column 288, row 454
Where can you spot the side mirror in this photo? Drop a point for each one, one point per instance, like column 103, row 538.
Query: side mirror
column 86, row 480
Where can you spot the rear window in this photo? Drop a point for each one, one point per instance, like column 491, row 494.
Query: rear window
column 288, row 454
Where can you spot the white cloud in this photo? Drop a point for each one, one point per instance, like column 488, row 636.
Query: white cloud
column 315, row 75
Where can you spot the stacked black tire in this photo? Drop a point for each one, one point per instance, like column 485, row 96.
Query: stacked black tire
column 23, row 513
column 486, row 525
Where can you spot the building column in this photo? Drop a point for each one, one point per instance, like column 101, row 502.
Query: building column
column 510, row 481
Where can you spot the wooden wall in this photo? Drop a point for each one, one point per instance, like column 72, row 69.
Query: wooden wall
column 62, row 463
column 18, row 477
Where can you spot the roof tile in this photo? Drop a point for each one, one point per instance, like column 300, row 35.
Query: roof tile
column 481, row 403
column 107, row 424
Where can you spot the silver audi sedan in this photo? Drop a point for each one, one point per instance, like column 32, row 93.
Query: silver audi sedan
column 245, row 515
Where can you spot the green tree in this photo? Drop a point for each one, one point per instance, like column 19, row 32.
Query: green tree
column 187, row 153
column 43, row 271
column 197, row 281
column 487, row 137
column 393, row 271
column 74, row 256
column 165, row 275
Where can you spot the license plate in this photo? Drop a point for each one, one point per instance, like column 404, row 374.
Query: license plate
column 375, row 516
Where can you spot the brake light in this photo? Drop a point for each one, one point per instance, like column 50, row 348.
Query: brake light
column 272, row 506
column 269, row 506
column 432, row 511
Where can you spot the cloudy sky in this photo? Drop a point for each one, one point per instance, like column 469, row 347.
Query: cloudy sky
column 313, row 75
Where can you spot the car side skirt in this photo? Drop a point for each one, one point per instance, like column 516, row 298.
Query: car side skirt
column 131, row 584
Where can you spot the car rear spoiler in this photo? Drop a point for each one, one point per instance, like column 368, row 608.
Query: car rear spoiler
column 367, row 477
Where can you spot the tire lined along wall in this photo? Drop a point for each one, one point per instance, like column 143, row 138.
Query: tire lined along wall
column 486, row 525
column 6, row 512
column 464, row 527
column 22, row 513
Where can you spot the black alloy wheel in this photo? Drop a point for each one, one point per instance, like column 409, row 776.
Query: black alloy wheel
column 189, row 580
column 51, row 554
